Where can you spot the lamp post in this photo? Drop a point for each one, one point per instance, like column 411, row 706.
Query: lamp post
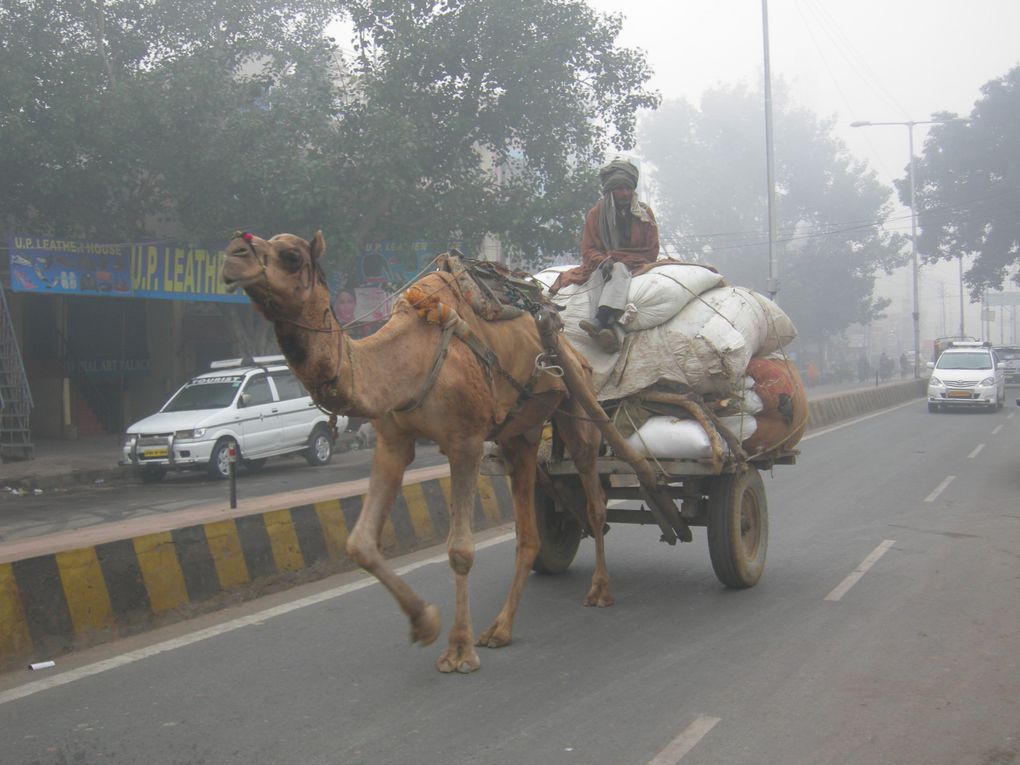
column 909, row 125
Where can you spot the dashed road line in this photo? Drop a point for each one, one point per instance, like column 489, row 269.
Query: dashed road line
column 997, row 429
column 975, row 453
column 685, row 742
column 939, row 489
column 843, row 587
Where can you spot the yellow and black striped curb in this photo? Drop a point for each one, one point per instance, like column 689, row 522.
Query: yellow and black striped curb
column 828, row 410
column 57, row 602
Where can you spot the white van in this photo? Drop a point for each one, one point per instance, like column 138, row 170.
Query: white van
column 967, row 374
column 256, row 406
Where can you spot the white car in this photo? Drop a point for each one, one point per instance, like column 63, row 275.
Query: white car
column 967, row 374
column 256, row 406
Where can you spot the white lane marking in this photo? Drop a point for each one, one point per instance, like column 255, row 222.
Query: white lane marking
column 997, row 429
column 130, row 657
column 1011, row 415
column 844, row 586
column 939, row 489
column 685, row 742
column 975, row 453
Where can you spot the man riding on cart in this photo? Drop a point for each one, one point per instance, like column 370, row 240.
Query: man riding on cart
column 620, row 234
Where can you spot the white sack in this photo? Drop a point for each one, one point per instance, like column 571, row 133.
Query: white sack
column 658, row 295
column 674, row 438
column 705, row 347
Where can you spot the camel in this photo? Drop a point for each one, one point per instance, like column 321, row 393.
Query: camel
column 413, row 380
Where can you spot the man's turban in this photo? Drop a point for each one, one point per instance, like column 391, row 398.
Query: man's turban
column 618, row 174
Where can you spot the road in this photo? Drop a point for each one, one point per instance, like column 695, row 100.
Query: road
column 53, row 512
column 883, row 631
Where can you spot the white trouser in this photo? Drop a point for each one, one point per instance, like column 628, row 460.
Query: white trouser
column 608, row 286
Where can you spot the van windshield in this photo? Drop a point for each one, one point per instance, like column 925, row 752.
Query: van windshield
column 965, row 361
column 205, row 393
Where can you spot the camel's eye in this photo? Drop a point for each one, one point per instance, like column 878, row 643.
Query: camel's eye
column 291, row 260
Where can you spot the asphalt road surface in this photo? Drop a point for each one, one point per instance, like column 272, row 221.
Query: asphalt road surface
column 883, row 631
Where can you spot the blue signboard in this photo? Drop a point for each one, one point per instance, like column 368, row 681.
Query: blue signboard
column 166, row 271
column 54, row 266
column 175, row 272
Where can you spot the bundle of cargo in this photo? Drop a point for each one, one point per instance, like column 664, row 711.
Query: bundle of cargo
column 701, row 372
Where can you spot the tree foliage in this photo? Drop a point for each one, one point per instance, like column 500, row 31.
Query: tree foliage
column 186, row 119
column 711, row 198
column 140, row 119
column 967, row 187
column 451, row 89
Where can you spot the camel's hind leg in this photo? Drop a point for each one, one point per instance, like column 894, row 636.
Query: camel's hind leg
column 522, row 458
column 393, row 453
column 582, row 438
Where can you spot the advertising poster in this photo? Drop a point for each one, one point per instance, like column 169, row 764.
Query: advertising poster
column 66, row 266
column 164, row 271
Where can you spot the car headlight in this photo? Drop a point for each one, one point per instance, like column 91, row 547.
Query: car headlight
column 988, row 382
column 188, row 435
column 935, row 381
column 130, row 439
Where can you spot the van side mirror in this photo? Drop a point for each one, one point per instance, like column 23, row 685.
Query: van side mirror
column 245, row 400
column 931, row 365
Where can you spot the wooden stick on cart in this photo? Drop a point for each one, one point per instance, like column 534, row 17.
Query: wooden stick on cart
column 660, row 504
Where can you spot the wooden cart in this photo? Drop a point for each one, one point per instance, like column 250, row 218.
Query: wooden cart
column 731, row 503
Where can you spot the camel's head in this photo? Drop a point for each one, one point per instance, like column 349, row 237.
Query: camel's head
column 282, row 275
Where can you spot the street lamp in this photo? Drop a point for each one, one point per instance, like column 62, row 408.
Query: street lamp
column 909, row 124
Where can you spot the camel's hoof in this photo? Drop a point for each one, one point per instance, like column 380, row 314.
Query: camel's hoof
column 494, row 637
column 461, row 659
column 425, row 629
column 598, row 599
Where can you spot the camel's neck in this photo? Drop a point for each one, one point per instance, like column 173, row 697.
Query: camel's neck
column 362, row 378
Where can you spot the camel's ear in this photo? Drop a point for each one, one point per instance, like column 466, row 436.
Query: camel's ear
column 318, row 245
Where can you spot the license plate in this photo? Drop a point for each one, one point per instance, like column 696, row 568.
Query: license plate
column 154, row 453
column 958, row 394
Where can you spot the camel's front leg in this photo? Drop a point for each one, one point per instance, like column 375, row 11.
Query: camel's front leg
column 522, row 458
column 460, row 655
column 393, row 453
column 582, row 439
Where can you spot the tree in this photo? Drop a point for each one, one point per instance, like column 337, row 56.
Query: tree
column 452, row 90
column 184, row 119
column 967, row 187
column 708, row 175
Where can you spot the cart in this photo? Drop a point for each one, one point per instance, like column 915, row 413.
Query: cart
column 725, row 495
column 730, row 502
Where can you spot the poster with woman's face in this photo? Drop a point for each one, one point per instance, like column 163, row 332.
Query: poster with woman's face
column 345, row 305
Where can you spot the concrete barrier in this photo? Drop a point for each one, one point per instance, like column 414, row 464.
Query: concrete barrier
column 835, row 407
column 65, row 592
column 68, row 599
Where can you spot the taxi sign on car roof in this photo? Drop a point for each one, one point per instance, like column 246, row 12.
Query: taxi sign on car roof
column 969, row 344
column 255, row 361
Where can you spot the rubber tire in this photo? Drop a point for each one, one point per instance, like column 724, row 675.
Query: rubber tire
column 254, row 466
column 559, row 536
column 152, row 474
column 738, row 528
column 219, row 462
column 933, row 408
column 320, row 447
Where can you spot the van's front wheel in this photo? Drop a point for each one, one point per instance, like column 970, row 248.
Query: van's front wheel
column 219, row 460
column 320, row 447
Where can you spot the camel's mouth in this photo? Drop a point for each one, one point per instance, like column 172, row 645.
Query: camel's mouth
column 239, row 271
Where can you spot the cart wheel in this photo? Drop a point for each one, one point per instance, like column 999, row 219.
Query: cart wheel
column 738, row 528
column 559, row 535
